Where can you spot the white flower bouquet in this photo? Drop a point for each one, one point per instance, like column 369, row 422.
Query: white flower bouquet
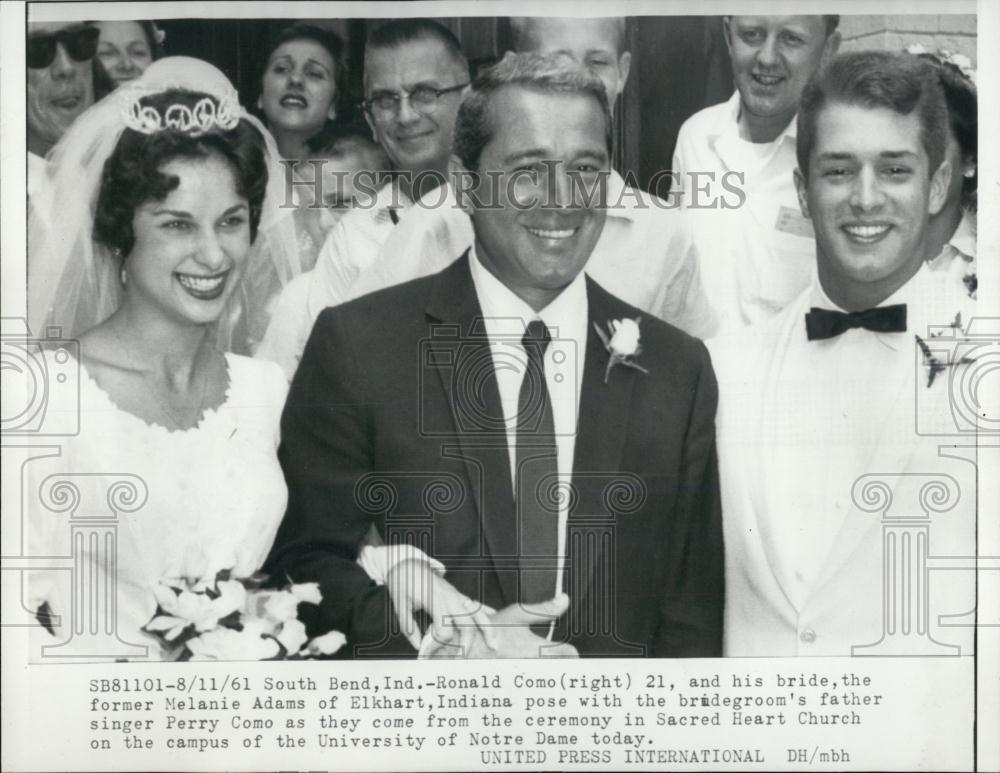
column 236, row 619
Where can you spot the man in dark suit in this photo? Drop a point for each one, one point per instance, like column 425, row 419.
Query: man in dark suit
column 549, row 450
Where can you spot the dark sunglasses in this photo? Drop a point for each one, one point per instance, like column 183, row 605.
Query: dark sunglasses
column 80, row 43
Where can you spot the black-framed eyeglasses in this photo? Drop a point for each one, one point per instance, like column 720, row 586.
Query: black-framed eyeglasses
column 80, row 43
column 422, row 99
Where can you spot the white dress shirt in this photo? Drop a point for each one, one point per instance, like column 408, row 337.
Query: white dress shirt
column 754, row 255
column 352, row 245
column 506, row 318
column 644, row 254
column 799, row 422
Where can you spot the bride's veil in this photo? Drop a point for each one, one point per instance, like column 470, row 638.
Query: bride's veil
column 74, row 282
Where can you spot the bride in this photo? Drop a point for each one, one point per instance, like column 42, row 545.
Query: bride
column 160, row 191
column 175, row 176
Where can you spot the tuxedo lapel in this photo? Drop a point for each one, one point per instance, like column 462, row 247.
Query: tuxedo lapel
column 469, row 384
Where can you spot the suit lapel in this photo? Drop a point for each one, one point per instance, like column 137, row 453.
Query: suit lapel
column 470, row 389
column 602, row 425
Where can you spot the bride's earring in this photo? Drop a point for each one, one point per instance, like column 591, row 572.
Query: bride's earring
column 122, row 274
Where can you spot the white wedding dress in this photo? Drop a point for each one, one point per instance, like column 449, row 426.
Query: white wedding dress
column 181, row 504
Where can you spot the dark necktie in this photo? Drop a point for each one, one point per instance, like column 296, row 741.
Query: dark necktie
column 535, row 474
column 824, row 323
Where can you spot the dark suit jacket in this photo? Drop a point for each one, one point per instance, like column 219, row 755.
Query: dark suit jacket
column 393, row 418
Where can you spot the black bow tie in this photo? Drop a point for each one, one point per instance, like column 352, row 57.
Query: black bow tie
column 824, row 323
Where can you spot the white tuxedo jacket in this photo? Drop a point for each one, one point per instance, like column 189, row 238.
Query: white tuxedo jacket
column 835, row 457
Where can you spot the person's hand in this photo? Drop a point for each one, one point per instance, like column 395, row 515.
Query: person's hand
column 456, row 620
column 514, row 638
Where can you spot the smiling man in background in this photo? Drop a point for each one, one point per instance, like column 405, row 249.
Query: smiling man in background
column 755, row 251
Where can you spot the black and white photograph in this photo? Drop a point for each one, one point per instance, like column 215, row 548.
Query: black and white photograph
column 630, row 356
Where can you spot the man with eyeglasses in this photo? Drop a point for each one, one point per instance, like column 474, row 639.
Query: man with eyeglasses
column 60, row 79
column 414, row 78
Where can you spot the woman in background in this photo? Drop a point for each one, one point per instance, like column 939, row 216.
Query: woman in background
column 127, row 48
column 300, row 85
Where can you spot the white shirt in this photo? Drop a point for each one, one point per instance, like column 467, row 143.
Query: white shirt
column 506, row 318
column 353, row 244
column 644, row 254
column 799, row 422
column 755, row 250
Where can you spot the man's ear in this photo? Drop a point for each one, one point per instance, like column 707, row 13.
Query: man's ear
column 624, row 67
column 461, row 180
column 725, row 34
column 371, row 125
column 940, row 181
column 830, row 48
column 802, row 190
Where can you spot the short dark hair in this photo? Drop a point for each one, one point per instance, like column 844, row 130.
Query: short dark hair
column 132, row 176
column 328, row 39
column 963, row 118
column 547, row 73
column 875, row 79
column 398, row 32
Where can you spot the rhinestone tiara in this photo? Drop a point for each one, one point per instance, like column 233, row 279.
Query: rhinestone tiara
column 220, row 111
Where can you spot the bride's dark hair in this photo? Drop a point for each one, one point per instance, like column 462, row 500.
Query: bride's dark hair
column 132, row 175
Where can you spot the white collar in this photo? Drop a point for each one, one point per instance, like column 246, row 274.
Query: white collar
column 506, row 314
column 728, row 124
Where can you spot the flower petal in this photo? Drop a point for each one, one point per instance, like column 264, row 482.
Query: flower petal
column 307, row 592
column 292, row 636
column 163, row 623
column 327, row 644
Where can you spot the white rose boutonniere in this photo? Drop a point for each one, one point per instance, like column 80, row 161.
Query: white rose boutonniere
column 622, row 342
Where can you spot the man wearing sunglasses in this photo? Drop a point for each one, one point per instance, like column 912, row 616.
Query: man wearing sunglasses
column 60, row 79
